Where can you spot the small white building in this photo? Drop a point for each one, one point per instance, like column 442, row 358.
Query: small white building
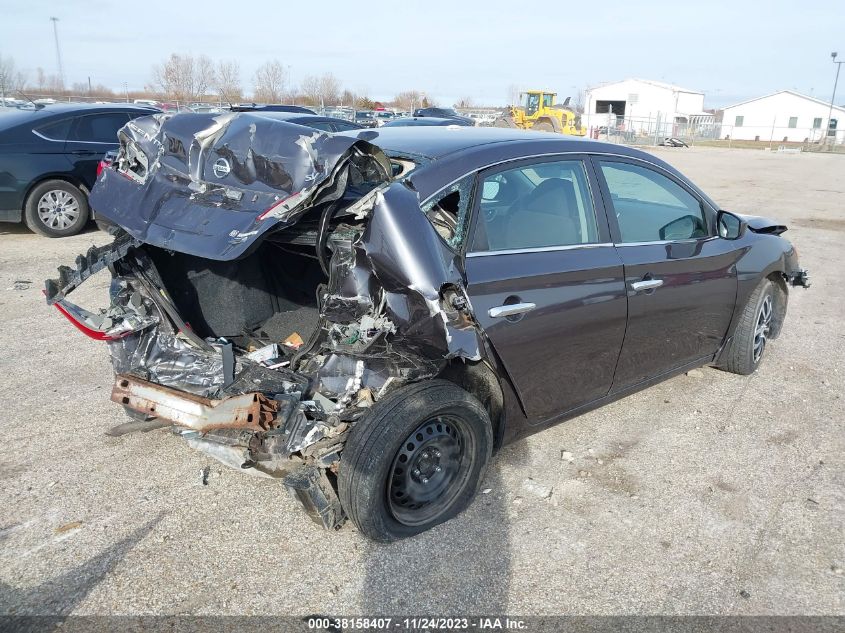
column 643, row 106
column 782, row 116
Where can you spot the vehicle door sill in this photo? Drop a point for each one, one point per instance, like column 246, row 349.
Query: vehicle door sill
column 626, row 391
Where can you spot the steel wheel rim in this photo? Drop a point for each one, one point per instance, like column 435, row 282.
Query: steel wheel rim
column 429, row 470
column 58, row 209
column 762, row 327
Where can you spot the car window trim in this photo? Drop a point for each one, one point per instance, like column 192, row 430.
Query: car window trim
column 551, row 157
column 47, row 138
column 616, row 234
column 538, row 249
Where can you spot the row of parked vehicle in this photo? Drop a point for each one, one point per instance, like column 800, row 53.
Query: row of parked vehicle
column 50, row 153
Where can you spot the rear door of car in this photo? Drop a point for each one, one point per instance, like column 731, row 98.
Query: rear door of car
column 30, row 151
column 545, row 281
column 91, row 136
column 680, row 277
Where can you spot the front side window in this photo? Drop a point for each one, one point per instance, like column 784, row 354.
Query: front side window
column 535, row 206
column 650, row 207
column 99, row 128
column 547, row 101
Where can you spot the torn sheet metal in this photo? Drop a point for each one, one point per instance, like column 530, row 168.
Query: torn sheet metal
column 396, row 274
column 212, row 185
column 245, row 411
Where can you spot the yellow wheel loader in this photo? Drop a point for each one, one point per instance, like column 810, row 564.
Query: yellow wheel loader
column 540, row 112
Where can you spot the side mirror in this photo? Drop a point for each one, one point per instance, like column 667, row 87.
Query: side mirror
column 730, row 227
column 683, row 228
column 490, row 190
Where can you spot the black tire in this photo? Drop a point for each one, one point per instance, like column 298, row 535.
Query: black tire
column 747, row 348
column 71, row 212
column 452, row 423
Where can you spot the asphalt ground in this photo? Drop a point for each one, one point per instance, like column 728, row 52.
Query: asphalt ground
column 707, row 494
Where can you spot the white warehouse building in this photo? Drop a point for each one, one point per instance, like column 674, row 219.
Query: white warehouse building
column 643, row 106
column 782, row 116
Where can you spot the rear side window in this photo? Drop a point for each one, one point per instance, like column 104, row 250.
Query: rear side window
column 344, row 127
column 99, row 128
column 650, row 207
column 55, row 130
column 541, row 205
column 325, row 126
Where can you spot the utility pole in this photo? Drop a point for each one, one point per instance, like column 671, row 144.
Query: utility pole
column 58, row 51
column 830, row 129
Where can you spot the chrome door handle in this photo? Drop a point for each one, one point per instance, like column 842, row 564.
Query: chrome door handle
column 510, row 310
column 646, row 284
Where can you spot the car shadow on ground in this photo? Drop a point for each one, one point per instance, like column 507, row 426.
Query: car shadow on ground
column 59, row 596
column 462, row 566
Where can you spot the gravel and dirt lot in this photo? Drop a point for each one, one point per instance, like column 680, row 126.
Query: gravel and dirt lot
column 708, row 494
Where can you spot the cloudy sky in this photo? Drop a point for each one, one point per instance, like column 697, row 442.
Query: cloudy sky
column 729, row 50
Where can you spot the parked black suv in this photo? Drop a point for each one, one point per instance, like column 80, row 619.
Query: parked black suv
column 48, row 162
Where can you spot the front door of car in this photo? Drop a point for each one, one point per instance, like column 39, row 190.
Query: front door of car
column 545, row 282
column 680, row 278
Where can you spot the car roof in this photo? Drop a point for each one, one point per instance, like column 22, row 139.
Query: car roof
column 301, row 118
column 27, row 117
column 435, row 142
column 449, row 153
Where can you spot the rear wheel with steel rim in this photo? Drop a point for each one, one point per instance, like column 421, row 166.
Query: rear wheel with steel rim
column 415, row 460
column 56, row 208
column 755, row 328
column 430, row 468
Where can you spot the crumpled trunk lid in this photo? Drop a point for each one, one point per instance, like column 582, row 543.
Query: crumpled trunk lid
column 212, row 185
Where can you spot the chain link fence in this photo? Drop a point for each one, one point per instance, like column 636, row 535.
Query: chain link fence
column 705, row 130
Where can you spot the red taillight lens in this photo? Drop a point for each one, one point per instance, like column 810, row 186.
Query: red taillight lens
column 75, row 315
column 100, row 167
column 291, row 198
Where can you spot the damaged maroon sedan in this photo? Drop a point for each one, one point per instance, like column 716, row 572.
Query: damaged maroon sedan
column 369, row 316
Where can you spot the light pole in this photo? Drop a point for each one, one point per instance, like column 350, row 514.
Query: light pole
column 58, row 51
column 830, row 131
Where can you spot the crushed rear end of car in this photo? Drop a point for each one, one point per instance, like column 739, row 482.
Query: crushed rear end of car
column 270, row 283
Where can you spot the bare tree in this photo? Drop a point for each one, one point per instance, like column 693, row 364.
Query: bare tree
column 229, row 81
column 408, row 100
column 11, row 80
column 310, row 89
column 184, row 78
column 513, row 94
column 323, row 90
column 465, row 102
column 269, row 82
column 40, row 79
column 329, row 89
